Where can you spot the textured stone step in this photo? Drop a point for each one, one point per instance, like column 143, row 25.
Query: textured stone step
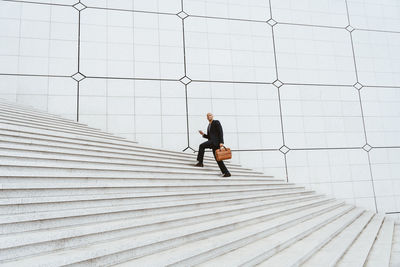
column 105, row 182
column 217, row 250
column 65, row 134
column 31, row 193
column 97, row 143
column 20, row 149
column 56, row 203
column 175, row 195
column 114, row 141
column 46, row 240
column 122, row 249
column 145, row 206
column 6, row 204
column 48, row 124
column 66, row 166
column 49, row 129
column 331, row 253
column 80, row 196
column 395, row 254
column 80, row 159
column 98, row 149
column 11, row 173
column 294, row 253
column 357, row 254
column 28, row 116
column 31, row 110
column 10, row 170
column 380, row 252
column 16, row 185
column 10, row 194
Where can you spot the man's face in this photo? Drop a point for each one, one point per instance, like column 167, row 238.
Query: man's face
column 210, row 116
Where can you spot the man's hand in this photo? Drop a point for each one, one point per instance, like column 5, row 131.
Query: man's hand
column 221, row 145
column 201, row 132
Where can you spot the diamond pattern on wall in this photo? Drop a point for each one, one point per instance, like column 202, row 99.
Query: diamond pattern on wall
column 79, row 6
column 185, row 80
column 271, row 22
column 182, row 15
column 367, row 147
column 284, row 149
column 277, row 83
column 349, row 28
column 358, row 86
column 78, row 76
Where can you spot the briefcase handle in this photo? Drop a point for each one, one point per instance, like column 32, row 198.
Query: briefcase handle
column 223, row 147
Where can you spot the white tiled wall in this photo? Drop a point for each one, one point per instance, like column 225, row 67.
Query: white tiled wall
column 321, row 116
column 307, row 90
column 317, row 55
column 229, row 50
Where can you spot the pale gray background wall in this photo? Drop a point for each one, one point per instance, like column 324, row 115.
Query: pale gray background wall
column 305, row 89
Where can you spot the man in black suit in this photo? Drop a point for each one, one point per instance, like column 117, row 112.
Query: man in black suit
column 215, row 138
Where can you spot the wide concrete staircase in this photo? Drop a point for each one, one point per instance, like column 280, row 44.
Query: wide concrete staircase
column 73, row 195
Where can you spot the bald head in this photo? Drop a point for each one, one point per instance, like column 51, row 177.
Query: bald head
column 210, row 117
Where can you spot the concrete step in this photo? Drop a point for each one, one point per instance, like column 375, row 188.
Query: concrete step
column 380, row 252
column 30, row 153
column 29, row 116
column 21, row 114
column 26, row 194
column 122, row 141
column 219, row 250
column 10, row 117
column 11, row 172
column 331, row 253
column 94, row 149
column 165, row 196
column 7, row 123
column 357, row 254
column 46, row 240
column 6, row 204
column 82, row 181
column 24, row 146
column 105, row 182
column 68, row 164
column 143, row 206
column 293, row 253
column 9, row 169
column 9, row 195
column 47, row 131
column 122, row 249
column 97, row 143
column 125, row 183
column 395, row 254
column 57, row 203
column 31, row 110
column 223, row 242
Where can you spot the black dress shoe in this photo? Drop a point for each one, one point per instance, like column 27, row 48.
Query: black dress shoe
column 199, row 164
column 227, row 175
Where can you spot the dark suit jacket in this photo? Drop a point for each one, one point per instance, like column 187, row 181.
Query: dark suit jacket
column 215, row 134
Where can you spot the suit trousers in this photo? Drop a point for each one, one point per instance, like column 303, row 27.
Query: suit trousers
column 200, row 155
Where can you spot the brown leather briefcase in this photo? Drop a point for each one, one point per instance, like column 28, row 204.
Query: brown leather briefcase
column 223, row 154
